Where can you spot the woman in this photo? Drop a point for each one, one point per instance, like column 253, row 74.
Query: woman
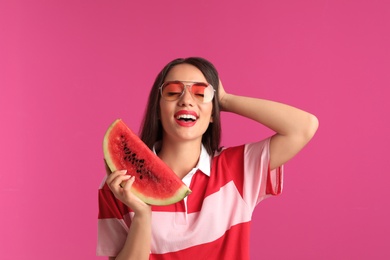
column 182, row 126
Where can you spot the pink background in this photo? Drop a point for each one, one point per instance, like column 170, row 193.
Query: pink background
column 69, row 68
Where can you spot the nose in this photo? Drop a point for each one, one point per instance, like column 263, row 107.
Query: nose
column 186, row 98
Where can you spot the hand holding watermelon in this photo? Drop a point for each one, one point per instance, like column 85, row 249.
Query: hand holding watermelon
column 123, row 192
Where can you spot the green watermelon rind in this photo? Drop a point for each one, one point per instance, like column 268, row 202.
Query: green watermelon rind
column 180, row 193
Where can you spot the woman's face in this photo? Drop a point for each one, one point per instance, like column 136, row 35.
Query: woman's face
column 185, row 119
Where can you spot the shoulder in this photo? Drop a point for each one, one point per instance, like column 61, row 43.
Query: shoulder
column 243, row 149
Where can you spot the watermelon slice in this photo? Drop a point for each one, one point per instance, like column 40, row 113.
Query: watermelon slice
column 155, row 183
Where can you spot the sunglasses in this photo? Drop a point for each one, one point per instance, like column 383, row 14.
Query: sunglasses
column 174, row 90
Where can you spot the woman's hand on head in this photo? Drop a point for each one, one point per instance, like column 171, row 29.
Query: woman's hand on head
column 222, row 96
column 120, row 184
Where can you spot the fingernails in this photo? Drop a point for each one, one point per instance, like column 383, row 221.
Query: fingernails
column 123, row 171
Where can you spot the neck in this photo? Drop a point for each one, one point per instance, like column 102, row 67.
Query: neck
column 181, row 157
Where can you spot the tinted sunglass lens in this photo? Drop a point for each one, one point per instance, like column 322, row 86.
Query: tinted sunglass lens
column 172, row 90
column 199, row 90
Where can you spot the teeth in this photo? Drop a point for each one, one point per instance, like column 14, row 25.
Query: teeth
column 186, row 117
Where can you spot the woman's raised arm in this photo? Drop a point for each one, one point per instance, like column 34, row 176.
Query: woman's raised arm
column 294, row 127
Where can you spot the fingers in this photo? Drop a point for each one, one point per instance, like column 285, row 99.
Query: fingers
column 129, row 183
column 120, row 184
column 221, row 94
column 115, row 179
column 115, row 175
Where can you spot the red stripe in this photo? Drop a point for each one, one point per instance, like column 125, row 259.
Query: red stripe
column 274, row 188
column 224, row 170
column 233, row 245
column 109, row 206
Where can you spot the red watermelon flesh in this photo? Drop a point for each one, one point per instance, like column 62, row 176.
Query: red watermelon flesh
column 155, row 183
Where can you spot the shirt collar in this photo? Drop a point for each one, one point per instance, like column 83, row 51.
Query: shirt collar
column 204, row 162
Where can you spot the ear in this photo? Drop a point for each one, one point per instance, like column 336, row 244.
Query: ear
column 211, row 119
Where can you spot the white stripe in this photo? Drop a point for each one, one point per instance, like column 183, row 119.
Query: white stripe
column 256, row 160
column 220, row 211
column 112, row 234
column 256, row 167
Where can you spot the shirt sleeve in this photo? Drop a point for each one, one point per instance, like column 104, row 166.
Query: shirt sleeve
column 113, row 223
column 259, row 181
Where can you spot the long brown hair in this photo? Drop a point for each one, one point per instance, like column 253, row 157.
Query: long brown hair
column 151, row 129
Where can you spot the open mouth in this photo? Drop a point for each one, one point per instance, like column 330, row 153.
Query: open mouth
column 186, row 118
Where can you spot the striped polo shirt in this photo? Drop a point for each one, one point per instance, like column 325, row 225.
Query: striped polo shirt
column 213, row 222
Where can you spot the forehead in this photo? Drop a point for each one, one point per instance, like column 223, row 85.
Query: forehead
column 185, row 72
